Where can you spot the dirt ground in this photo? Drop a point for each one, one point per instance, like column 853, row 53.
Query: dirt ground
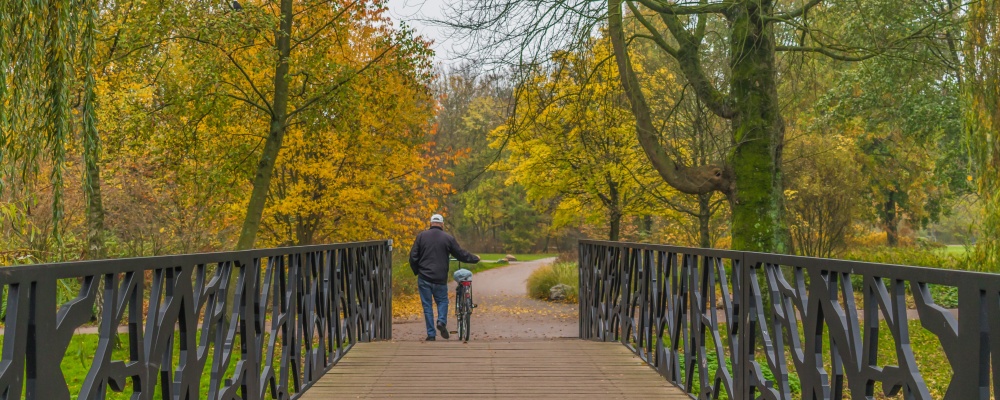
column 505, row 311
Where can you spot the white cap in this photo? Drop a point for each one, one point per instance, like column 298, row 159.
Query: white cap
column 437, row 218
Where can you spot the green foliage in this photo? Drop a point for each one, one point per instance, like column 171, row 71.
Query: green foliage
column 915, row 256
column 903, row 117
column 712, row 362
column 79, row 359
column 485, row 213
column 823, row 197
column 403, row 281
column 946, row 296
column 520, row 257
column 551, row 275
column 982, row 117
column 498, row 217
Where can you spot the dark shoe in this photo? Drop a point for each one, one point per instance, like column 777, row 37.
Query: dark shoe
column 443, row 329
column 430, row 339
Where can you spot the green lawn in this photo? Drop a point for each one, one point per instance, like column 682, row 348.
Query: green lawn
column 490, row 261
column 931, row 361
column 80, row 356
column 520, row 257
column 404, row 283
column 956, row 250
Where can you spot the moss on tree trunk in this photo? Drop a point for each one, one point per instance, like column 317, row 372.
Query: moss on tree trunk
column 758, row 196
column 752, row 178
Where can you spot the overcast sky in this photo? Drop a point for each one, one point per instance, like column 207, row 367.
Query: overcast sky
column 418, row 14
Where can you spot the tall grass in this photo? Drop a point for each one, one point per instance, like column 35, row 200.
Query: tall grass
column 548, row 276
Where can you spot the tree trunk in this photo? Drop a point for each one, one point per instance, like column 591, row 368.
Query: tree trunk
column 646, row 227
column 690, row 180
column 276, row 133
column 753, row 179
column 615, row 225
column 704, row 218
column 758, row 196
column 891, row 220
column 613, row 203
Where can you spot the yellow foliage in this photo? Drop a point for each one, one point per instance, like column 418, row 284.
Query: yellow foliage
column 406, row 306
column 871, row 239
column 577, row 143
column 366, row 174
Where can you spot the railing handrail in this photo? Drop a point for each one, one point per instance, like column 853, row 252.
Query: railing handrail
column 272, row 321
column 70, row 269
column 760, row 314
column 940, row 276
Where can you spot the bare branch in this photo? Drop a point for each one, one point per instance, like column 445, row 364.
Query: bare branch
column 826, row 52
column 655, row 35
column 687, row 180
column 796, row 12
column 664, row 7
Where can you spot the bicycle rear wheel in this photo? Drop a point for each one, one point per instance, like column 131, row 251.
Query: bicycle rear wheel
column 461, row 314
column 466, row 322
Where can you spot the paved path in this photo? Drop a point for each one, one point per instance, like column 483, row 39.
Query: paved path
column 522, row 369
column 505, row 311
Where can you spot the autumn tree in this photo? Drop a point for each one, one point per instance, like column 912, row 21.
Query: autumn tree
column 753, row 33
column 40, row 93
column 487, row 212
column 698, row 138
column 367, row 170
column 279, row 61
column 903, row 115
column 163, row 108
column 573, row 141
column 825, row 195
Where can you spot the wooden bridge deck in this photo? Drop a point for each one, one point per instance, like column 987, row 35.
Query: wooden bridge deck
column 563, row 368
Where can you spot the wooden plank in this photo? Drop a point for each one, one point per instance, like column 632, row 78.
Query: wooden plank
column 553, row 369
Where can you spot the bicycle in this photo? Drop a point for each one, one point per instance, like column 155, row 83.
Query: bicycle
column 463, row 302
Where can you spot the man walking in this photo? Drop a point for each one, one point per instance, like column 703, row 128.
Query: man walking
column 429, row 262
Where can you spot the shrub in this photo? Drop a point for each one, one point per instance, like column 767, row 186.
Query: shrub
column 872, row 239
column 915, row 256
column 403, row 281
column 571, row 256
column 550, row 275
column 945, row 296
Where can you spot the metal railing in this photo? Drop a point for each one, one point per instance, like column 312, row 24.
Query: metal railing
column 745, row 325
column 255, row 324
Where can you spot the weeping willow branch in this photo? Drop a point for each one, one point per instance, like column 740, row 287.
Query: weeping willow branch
column 983, row 121
column 57, row 72
column 36, row 74
column 91, row 139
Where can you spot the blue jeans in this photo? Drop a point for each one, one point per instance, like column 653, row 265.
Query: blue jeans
column 439, row 293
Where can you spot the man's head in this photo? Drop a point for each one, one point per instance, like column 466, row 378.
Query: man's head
column 437, row 220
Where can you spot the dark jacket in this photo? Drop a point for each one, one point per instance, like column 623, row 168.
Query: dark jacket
column 429, row 255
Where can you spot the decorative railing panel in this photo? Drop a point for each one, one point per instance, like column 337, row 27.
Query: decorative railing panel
column 257, row 324
column 742, row 325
